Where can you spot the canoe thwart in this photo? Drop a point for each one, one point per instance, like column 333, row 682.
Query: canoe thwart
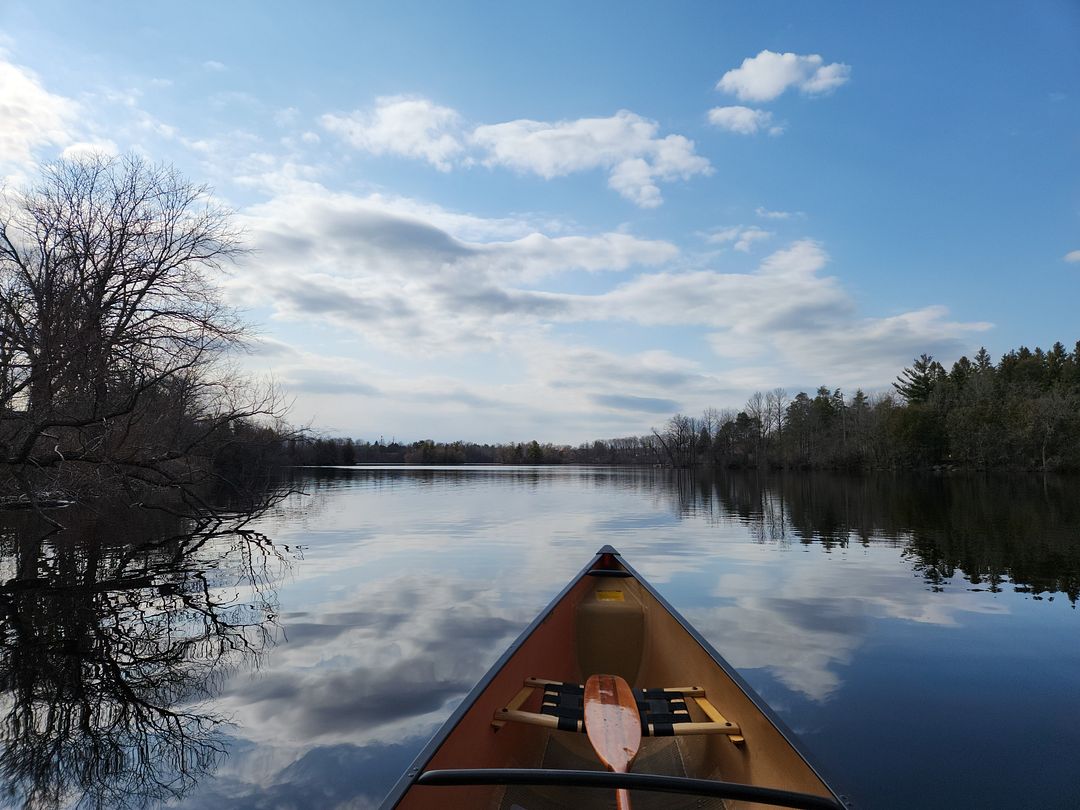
column 663, row 711
column 535, row 719
column 715, row 716
column 652, row 729
column 519, row 700
column 691, row 691
column 628, row 781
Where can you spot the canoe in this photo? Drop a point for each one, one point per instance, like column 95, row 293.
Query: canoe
column 518, row 739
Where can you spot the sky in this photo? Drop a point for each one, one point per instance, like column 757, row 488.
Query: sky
column 568, row 221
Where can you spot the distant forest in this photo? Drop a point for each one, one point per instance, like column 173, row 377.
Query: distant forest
column 1021, row 413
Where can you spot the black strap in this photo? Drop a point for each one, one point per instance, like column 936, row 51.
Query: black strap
column 563, row 700
column 658, row 710
column 667, row 717
column 565, row 688
column 563, row 711
column 566, row 724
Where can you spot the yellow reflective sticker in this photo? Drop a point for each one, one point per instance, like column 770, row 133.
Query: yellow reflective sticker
column 609, row 596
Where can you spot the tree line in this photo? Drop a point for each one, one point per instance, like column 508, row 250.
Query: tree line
column 324, row 451
column 1022, row 412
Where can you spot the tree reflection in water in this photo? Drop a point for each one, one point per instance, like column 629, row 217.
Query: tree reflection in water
column 112, row 632
column 994, row 531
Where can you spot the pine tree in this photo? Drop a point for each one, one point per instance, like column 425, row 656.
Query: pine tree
column 917, row 381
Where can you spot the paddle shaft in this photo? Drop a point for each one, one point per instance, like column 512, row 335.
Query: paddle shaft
column 613, row 725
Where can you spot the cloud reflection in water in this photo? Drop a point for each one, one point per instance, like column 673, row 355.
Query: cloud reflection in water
column 413, row 583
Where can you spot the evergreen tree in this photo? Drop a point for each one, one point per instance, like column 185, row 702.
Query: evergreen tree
column 917, row 381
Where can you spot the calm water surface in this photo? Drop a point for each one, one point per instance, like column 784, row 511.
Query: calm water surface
column 921, row 636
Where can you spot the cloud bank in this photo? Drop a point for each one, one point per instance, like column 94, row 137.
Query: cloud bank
column 418, row 281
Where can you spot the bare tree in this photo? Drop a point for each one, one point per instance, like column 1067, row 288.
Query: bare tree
column 757, row 410
column 710, row 421
column 679, row 440
column 112, row 330
column 776, row 402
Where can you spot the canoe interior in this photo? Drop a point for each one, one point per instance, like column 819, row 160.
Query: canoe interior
column 614, row 626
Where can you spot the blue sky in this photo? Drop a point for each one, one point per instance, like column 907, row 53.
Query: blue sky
column 566, row 221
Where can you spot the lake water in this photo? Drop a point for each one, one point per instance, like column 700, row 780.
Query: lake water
column 920, row 635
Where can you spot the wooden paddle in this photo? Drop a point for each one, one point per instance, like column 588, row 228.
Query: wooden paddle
column 613, row 725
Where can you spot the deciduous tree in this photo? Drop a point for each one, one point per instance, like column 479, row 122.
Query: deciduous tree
column 113, row 331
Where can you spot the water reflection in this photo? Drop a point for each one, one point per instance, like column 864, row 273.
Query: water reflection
column 415, row 580
column 127, row 645
column 113, row 633
column 357, row 689
column 991, row 531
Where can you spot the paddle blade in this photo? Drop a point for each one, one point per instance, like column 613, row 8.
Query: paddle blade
column 612, row 721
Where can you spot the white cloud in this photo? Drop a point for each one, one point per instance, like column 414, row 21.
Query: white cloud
column 805, row 323
column 785, row 287
column 36, row 124
column 402, row 125
column 749, row 236
column 552, row 392
column 1073, row 256
column 871, row 348
column 722, row 235
column 30, row 117
column 213, row 66
column 625, row 144
column 425, row 283
column 743, row 120
column 765, row 213
column 81, row 148
column 411, row 276
column 742, row 238
column 653, row 373
column 767, row 75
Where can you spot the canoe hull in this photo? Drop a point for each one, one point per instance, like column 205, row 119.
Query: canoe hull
column 607, row 620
